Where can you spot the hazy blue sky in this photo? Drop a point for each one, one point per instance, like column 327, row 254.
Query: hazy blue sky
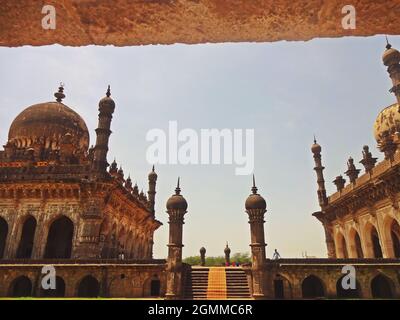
column 286, row 91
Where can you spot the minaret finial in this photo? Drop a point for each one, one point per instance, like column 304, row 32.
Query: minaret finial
column 254, row 188
column 388, row 45
column 178, row 189
column 108, row 93
column 152, row 169
column 315, row 139
column 60, row 94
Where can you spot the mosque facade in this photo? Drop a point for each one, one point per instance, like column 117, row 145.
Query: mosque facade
column 63, row 205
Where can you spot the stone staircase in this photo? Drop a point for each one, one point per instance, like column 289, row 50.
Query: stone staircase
column 196, row 284
column 237, row 286
column 216, row 283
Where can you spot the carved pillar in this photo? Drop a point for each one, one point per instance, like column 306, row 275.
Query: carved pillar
column 255, row 208
column 88, row 231
column 40, row 238
column 176, row 209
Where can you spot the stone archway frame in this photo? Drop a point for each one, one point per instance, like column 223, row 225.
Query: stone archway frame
column 321, row 279
column 46, row 230
column 392, row 282
column 387, row 236
column 180, row 21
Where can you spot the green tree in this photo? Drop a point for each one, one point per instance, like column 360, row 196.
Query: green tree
column 239, row 257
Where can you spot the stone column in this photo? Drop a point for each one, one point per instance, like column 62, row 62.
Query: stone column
column 256, row 207
column 87, row 244
column 176, row 209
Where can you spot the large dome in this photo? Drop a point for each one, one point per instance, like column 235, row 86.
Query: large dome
column 47, row 124
column 387, row 122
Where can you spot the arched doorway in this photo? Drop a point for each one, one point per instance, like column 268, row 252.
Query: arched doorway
column 3, row 236
column 395, row 235
column 376, row 245
column 59, row 239
column 58, row 292
column 357, row 243
column 26, row 243
column 312, row 287
column 21, row 287
column 155, row 286
column 347, row 293
column 89, row 287
column 381, row 287
column 279, row 289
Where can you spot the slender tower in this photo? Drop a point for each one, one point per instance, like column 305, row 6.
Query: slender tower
column 176, row 209
column 106, row 110
column 316, row 150
column 322, row 199
column 152, row 190
column 391, row 59
column 255, row 208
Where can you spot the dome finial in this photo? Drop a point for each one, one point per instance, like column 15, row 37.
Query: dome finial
column 254, row 188
column 388, row 45
column 60, row 94
column 178, row 190
column 108, row 93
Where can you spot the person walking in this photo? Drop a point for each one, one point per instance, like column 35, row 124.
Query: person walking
column 276, row 255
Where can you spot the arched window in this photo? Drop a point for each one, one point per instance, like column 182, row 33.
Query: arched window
column 3, row 236
column 381, row 287
column 89, row 287
column 395, row 235
column 312, row 287
column 58, row 292
column 26, row 243
column 349, row 293
column 357, row 243
column 341, row 246
column 59, row 239
column 21, row 287
column 376, row 244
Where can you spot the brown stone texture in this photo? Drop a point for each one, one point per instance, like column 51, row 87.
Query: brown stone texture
column 142, row 22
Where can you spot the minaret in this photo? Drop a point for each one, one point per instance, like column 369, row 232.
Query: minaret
column 152, row 190
column 256, row 207
column 176, row 209
column 391, row 59
column 316, row 150
column 106, row 110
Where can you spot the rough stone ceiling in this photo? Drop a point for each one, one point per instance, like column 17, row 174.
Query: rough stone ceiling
column 141, row 22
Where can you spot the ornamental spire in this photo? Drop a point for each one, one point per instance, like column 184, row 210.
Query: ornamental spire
column 178, row 190
column 60, row 94
column 254, row 188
